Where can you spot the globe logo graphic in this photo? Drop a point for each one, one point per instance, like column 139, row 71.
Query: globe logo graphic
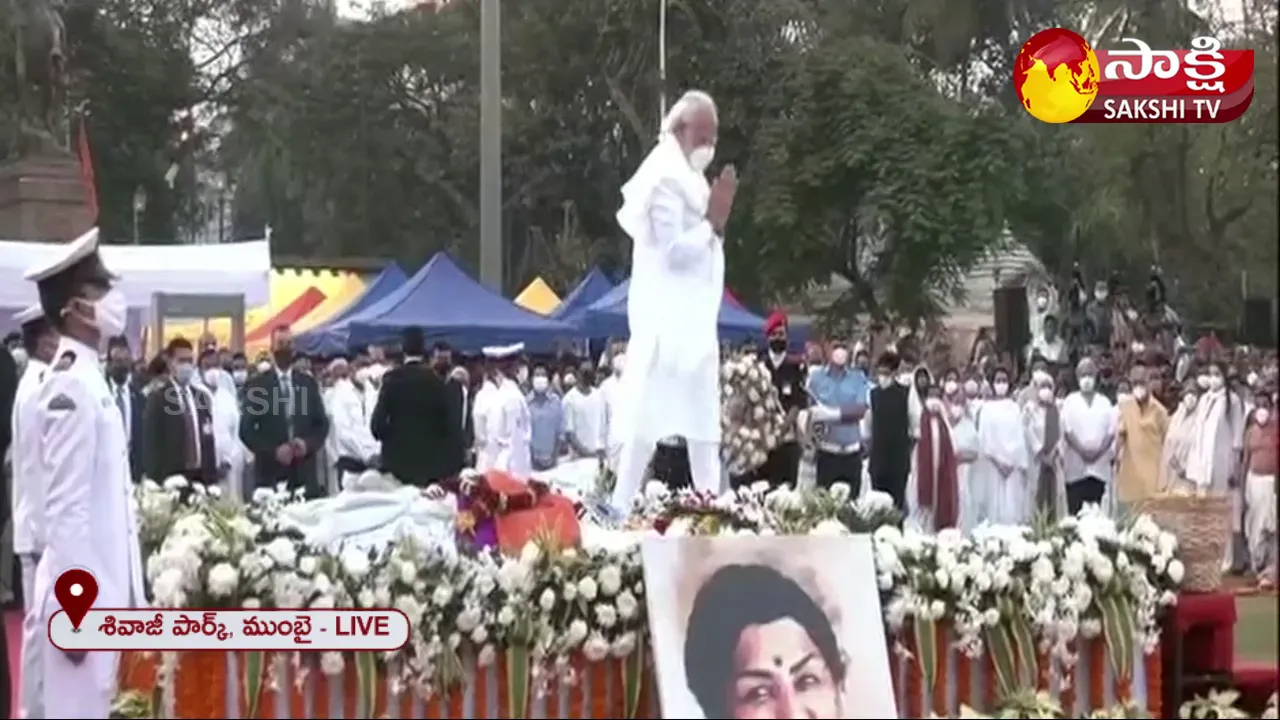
column 1056, row 75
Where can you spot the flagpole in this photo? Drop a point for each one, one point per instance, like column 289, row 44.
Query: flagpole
column 662, row 58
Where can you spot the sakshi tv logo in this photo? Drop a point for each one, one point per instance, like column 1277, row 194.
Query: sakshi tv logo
column 1060, row 78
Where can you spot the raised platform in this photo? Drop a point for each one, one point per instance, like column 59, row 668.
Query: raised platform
column 43, row 198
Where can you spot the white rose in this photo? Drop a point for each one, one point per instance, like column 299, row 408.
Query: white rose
column 331, row 663
column 548, row 600
column 223, row 580
column 606, row 615
column 282, row 552
column 576, row 633
column 486, row 656
column 530, row 553
column 366, row 599
column 596, row 648
column 624, row 645
column 1175, row 571
column 610, row 580
column 479, row 635
column 442, row 595
column 506, row 616
column 627, row 605
column 570, row 592
column 251, row 603
column 587, row 589
column 355, row 564
column 307, row 565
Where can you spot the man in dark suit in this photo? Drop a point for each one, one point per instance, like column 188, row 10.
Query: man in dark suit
column 891, row 443
column 283, row 422
column 783, row 465
column 177, row 424
column 458, row 387
column 128, row 398
column 417, row 420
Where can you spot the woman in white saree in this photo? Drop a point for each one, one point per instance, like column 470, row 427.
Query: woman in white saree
column 1177, row 442
column 1043, row 423
column 964, row 438
column 1213, row 462
column 1003, row 456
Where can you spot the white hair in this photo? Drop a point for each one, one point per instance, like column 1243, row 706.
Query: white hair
column 689, row 103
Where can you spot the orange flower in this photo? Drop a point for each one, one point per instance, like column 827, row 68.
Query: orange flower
column 466, row 522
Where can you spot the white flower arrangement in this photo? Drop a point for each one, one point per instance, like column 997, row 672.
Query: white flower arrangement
column 1064, row 582
column 752, row 421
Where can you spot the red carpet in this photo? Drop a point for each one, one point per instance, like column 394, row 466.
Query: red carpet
column 13, row 631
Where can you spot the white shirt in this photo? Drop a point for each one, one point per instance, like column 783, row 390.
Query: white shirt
column 1051, row 350
column 512, row 430
column 585, row 418
column 28, row 488
column 1093, row 423
column 351, row 434
column 608, row 392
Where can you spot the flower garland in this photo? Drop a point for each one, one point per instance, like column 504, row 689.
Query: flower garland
column 1073, row 579
column 483, row 502
column 752, row 421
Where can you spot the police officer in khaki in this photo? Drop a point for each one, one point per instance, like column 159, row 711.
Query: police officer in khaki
column 84, row 465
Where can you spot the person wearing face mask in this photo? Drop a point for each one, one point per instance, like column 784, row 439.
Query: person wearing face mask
column 483, row 412
column 352, row 445
column 1048, row 345
column 40, row 343
column 1089, row 430
column 789, row 378
column 508, row 424
column 933, row 491
column 609, row 395
column 1141, row 433
column 1043, row 422
column 128, row 398
column 893, row 412
column 1177, row 441
column 1213, row 462
column 1098, row 316
column 177, row 423
column 999, row 476
column 85, row 470
column 677, row 224
column 964, row 439
column 839, row 402
column 283, row 422
column 226, row 431
column 239, row 370
column 584, row 416
column 546, row 421
column 1261, row 445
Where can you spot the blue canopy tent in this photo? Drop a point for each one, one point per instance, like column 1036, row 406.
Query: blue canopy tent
column 607, row 317
column 330, row 338
column 593, row 286
column 451, row 307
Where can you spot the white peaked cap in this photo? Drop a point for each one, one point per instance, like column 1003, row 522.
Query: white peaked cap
column 501, row 352
column 29, row 314
column 72, row 253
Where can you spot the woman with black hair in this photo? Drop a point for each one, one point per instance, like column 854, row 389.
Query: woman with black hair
column 758, row 646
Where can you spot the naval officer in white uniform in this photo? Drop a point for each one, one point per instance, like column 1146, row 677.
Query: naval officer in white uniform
column 84, row 463
column 40, row 342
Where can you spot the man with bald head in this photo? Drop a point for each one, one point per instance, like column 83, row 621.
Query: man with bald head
column 676, row 220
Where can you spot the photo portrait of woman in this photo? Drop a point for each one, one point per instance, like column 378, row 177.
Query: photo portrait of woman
column 761, row 628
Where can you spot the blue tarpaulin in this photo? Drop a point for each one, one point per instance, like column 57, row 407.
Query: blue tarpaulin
column 607, row 317
column 449, row 306
column 593, row 286
column 330, row 338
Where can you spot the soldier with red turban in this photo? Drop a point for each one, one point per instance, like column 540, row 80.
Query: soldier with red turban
column 789, row 376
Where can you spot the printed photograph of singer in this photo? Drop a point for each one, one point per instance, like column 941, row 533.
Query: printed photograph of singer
column 768, row 627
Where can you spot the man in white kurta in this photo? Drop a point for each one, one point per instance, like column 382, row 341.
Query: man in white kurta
column 676, row 221
column 349, row 433
column 483, row 421
column 41, row 343
column 84, row 454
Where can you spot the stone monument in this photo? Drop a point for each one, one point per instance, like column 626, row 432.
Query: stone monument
column 42, row 190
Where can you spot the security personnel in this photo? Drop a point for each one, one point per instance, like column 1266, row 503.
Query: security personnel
column 84, row 465
column 789, row 377
column 40, row 342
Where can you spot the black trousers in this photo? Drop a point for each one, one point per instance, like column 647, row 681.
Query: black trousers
column 831, row 468
column 1085, row 490
column 782, row 467
column 893, row 482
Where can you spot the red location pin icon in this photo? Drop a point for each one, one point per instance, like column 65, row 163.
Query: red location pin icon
column 75, row 590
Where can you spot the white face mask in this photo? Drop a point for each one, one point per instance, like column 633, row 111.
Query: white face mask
column 1140, row 392
column 1045, row 394
column 971, row 388
column 264, row 366
column 1189, row 401
column 1215, row 382
column 1131, row 314
column 904, row 378
column 949, row 387
column 239, row 376
column 701, row 157
column 1042, row 302
column 211, row 379
column 110, row 313
column 1087, row 383
column 184, row 372
column 19, row 356
column 1100, row 295
column 1001, row 388
column 839, row 357
column 619, row 362
column 540, row 383
column 1203, row 381
column 570, row 381
column 884, row 380
column 1261, row 416
column 1252, row 379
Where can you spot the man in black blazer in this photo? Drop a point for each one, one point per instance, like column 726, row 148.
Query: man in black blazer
column 283, row 422
column 417, row 420
column 455, row 380
column 177, row 424
column 128, row 398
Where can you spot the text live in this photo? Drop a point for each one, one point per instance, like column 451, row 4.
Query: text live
column 280, row 630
